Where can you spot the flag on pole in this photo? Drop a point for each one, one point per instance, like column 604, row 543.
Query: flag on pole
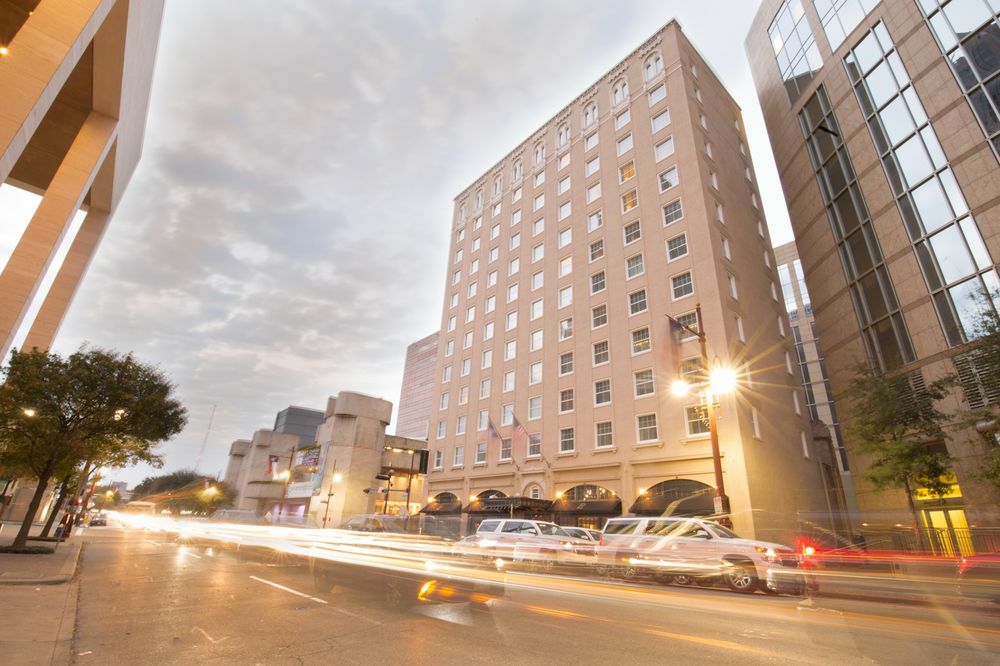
column 520, row 431
column 271, row 462
column 492, row 433
column 676, row 336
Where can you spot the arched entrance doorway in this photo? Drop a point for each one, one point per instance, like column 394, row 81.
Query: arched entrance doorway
column 676, row 497
column 442, row 515
column 586, row 506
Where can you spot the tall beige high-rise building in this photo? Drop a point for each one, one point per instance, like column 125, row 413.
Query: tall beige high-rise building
column 883, row 119
column 416, row 396
column 74, row 89
column 636, row 201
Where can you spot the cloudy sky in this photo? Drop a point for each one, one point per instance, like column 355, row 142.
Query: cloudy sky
column 285, row 234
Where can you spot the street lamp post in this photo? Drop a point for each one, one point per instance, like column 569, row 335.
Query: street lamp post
column 716, row 381
column 287, row 474
column 329, row 496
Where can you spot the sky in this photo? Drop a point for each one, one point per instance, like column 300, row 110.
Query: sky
column 285, row 235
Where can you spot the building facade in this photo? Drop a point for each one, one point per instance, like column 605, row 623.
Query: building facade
column 349, row 466
column 416, row 397
column 884, row 132
column 637, row 201
column 815, row 377
column 75, row 80
column 300, row 421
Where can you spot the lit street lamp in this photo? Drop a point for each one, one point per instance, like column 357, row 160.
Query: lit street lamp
column 721, row 380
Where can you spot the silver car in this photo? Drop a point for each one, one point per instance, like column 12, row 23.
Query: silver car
column 525, row 541
column 686, row 550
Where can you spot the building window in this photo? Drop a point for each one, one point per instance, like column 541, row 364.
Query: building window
column 564, row 184
column 466, row 366
column 658, row 93
column 566, row 363
column 677, row 247
column 739, row 329
column 506, row 415
column 629, row 201
column 619, row 92
column 599, row 316
column 626, row 172
column 597, row 282
column 643, row 382
column 664, row 149
column 449, row 348
column 442, row 429
column 967, row 33
column 565, row 266
column 728, row 254
column 841, row 17
column 595, row 220
column 668, row 179
column 590, row 141
column 596, row 250
column 594, row 192
column 538, row 180
column 697, row 421
column 536, row 340
column 682, row 285
column 438, row 459
column 534, row 408
column 487, row 359
column 467, row 340
column 624, row 144
column 481, row 453
column 652, row 67
column 463, row 395
column 446, row 374
column 538, row 252
column 794, row 48
column 566, row 400
column 497, row 208
column 512, row 293
column 565, row 296
column 539, row 153
column 534, row 450
column 511, row 320
column 590, row 115
column 661, row 120
column 505, row 449
column 565, row 209
column 460, row 425
column 539, row 202
column 566, row 328
column 562, row 136
column 602, row 392
column 622, row 119
column 637, row 302
column 634, row 266
column 592, row 167
column 640, row 341
column 443, row 403
column 535, row 373
column 672, row 212
column 949, row 248
column 646, row 424
column 732, row 288
column 601, row 352
column 459, row 457
column 713, row 179
column 484, row 388
column 508, row 381
column 604, row 436
column 510, row 350
column 538, row 226
column 565, row 237
column 632, row 232
column 566, row 442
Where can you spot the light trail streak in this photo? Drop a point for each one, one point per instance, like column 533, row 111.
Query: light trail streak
column 431, row 558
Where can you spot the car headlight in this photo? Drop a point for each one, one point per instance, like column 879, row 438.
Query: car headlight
column 770, row 554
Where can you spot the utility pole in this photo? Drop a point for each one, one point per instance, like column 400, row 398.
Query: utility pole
column 329, row 496
column 204, row 442
column 721, row 499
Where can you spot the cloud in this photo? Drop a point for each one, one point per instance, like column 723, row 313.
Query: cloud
column 285, row 234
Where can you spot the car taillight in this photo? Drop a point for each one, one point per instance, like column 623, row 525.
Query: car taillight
column 600, row 540
column 963, row 565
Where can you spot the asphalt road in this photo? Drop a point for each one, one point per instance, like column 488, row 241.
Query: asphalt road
column 145, row 598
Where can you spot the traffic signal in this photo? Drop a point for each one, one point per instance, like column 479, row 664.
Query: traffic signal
column 384, row 490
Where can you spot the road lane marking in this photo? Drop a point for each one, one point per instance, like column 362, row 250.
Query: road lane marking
column 152, row 543
column 197, row 557
column 288, row 589
column 714, row 642
column 205, row 634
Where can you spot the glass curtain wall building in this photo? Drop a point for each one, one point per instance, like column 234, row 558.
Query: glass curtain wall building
column 887, row 157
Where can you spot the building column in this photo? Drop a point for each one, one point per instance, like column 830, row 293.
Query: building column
column 43, row 55
column 34, row 252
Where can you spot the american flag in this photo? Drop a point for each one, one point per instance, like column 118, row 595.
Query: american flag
column 492, row 432
column 520, row 431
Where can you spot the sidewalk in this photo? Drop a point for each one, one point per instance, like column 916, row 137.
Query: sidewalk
column 37, row 569
column 38, row 596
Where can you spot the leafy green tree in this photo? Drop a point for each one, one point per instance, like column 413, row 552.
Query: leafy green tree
column 154, row 485
column 184, row 490
column 902, row 431
column 95, row 405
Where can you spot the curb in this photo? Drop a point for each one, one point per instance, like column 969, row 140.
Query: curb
column 64, row 576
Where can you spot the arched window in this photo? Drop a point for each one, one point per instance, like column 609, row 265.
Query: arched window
column 497, row 185
column 653, row 66
column 518, row 171
column 619, row 93
column 461, row 211
column 676, row 497
column 562, row 136
column 590, row 115
column 589, row 492
column 487, row 494
column 539, row 153
column 479, row 199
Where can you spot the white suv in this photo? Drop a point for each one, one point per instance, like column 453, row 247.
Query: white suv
column 532, row 541
column 686, row 550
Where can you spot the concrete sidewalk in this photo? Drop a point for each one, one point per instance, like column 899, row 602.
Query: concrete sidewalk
column 46, row 569
column 38, row 595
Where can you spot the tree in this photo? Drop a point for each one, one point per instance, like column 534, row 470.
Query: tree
column 184, row 490
column 154, row 485
column 96, row 405
column 902, row 430
column 984, row 356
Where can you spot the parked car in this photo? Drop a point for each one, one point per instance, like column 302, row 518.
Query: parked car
column 583, row 533
column 529, row 541
column 979, row 577
column 688, row 550
column 374, row 522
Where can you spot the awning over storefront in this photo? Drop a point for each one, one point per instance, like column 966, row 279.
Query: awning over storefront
column 507, row 505
column 588, row 507
column 443, row 504
column 676, row 497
